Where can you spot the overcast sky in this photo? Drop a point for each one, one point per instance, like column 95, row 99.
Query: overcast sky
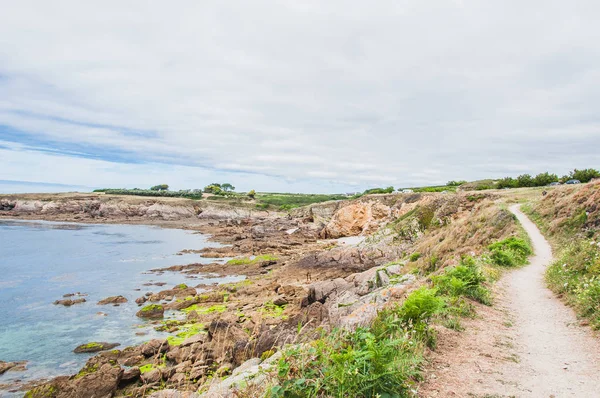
column 321, row 96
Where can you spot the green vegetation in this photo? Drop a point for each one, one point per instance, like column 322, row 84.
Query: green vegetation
column 161, row 187
column 576, row 276
column 205, row 310
column 273, row 311
column 255, row 260
column 186, row 331
column 415, row 256
column 378, row 190
column 381, row 360
column 511, row 252
column 287, row 201
column 466, row 279
column 149, row 367
column 455, row 183
column 187, row 193
column 584, row 175
column 152, row 308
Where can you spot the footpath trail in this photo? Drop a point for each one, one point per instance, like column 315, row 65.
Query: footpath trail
column 529, row 344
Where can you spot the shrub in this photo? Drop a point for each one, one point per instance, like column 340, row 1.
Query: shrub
column 420, row 305
column 379, row 190
column 415, row 256
column 466, row 279
column 510, row 252
column 381, row 360
column 584, row 175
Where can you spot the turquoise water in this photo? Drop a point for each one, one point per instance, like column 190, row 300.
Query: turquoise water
column 42, row 261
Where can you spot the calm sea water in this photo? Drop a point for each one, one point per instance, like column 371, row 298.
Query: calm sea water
column 41, row 261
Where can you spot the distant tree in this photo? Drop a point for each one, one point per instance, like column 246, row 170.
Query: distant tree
column 161, row 187
column 379, row 190
column 525, row 180
column 227, row 187
column 455, row 183
column 214, row 189
column 584, row 175
column 252, row 194
column 507, row 182
column 544, row 179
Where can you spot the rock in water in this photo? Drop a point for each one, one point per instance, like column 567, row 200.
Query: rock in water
column 152, row 311
column 94, row 347
column 69, row 302
column 5, row 366
column 113, row 300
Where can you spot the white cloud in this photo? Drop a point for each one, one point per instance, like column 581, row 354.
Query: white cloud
column 333, row 94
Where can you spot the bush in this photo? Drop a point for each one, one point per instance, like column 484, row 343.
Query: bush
column 510, row 252
column 415, row 256
column 420, row 305
column 584, row 175
column 379, row 190
column 381, row 360
column 466, row 279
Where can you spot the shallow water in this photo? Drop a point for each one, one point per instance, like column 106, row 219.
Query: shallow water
column 41, row 261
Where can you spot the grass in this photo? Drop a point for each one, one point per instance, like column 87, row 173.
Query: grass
column 271, row 310
column 250, row 261
column 287, row 201
column 576, row 276
column 466, row 279
column 510, row 252
column 383, row 360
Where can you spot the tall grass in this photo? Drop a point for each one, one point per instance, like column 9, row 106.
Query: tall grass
column 381, row 360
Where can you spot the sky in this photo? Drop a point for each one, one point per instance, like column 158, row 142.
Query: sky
column 296, row 96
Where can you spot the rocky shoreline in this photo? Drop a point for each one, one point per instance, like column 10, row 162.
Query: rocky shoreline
column 298, row 278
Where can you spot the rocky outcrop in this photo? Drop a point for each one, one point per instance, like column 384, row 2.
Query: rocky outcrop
column 356, row 219
column 70, row 302
column 100, row 206
column 113, row 300
column 12, row 366
column 152, row 311
column 355, row 300
column 94, row 347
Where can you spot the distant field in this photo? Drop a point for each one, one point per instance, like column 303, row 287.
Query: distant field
column 286, row 201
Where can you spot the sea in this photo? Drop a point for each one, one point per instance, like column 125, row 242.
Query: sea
column 41, row 261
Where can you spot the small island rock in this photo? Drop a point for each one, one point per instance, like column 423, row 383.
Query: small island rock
column 113, row 300
column 94, row 347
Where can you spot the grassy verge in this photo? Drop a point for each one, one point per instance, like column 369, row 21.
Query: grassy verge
column 575, row 274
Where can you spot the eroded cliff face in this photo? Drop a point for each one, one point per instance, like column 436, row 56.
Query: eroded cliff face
column 85, row 207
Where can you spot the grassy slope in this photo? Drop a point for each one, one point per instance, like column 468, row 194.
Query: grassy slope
column 570, row 218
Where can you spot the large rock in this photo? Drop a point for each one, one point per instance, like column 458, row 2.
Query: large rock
column 113, row 300
column 94, row 347
column 12, row 366
column 356, row 219
column 69, row 302
column 152, row 311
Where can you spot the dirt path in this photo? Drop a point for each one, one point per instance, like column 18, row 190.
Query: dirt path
column 528, row 345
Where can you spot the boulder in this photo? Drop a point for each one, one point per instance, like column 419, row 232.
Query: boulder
column 12, row 366
column 113, row 300
column 131, row 374
column 141, row 300
column 153, row 347
column 152, row 311
column 69, row 302
column 152, row 376
column 94, row 347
